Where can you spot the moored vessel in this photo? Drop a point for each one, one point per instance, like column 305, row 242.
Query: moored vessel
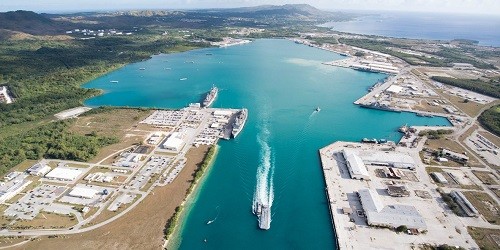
column 239, row 122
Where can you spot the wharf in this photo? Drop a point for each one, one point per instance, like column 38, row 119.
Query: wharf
column 348, row 214
column 335, row 199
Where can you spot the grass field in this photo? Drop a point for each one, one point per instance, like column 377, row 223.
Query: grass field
column 486, row 238
column 46, row 220
column 471, row 108
column 119, row 123
column 454, row 146
column 485, row 177
column 485, row 205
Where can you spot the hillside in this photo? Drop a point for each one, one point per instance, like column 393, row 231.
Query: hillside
column 31, row 23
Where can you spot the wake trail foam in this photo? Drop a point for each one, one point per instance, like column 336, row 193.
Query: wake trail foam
column 264, row 188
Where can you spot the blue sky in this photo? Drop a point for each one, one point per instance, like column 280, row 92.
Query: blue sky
column 456, row 6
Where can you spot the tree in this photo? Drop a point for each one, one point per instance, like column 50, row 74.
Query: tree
column 402, row 228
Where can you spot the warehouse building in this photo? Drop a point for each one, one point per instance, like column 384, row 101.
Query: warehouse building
column 439, row 177
column 464, row 203
column 391, row 216
column 64, row 174
column 174, row 142
column 356, row 167
column 81, row 192
column 38, row 169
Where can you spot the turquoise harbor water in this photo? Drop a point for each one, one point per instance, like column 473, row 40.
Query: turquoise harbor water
column 281, row 83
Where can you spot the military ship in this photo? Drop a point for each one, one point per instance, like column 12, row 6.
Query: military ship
column 239, row 122
column 210, row 98
column 380, row 106
column 263, row 212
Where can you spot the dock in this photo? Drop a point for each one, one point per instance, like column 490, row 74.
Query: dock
column 353, row 229
column 335, row 200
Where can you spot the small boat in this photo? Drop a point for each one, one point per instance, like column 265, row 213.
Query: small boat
column 317, row 109
column 183, row 79
column 142, row 68
column 208, row 54
column 113, row 81
column 168, row 68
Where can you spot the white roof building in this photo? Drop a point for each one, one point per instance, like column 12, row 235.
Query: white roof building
column 395, row 89
column 391, row 216
column 38, row 169
column 219, row 112
column 439, row 177
column 355, row 165
column 82, row 192
column 64, row 174
column 174, row 142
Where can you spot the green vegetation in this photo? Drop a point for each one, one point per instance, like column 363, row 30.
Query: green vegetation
column 450, row 202
column 458, row 56
column 45, row 76
column 486, row 88
column 401, row 229
column 441, row 58
column 207, row 160
column 490, row 119
column 323, row 40
column 172, row 222
column 50, row 141
column 435, row 134
column 486, row 238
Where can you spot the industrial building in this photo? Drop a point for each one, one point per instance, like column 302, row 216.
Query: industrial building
column 174, row 142
column 464, row 204
column 389, row 159
column 391, row 216
column 13, row 187
column 356, row 167
column 64, row 174
column 439, row 177
column 81, row 192
column 394, row 89
column 454, row 155
column 154, row 139
column 397, row 191
column 38, row 169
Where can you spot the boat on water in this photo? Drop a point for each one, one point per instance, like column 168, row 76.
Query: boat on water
column 168, row 68
column 183, row 79
column 380, row 106
column 113, row 81
column 366, row 140
column 239, row 122
column 263, row 212
column 210, row 98
column 317, row 109
column 142, row 68
column 403, row 129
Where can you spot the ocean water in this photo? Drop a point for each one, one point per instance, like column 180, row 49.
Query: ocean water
column 280, row 83
column 439, row 26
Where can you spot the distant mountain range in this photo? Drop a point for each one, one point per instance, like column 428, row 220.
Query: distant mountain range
column 262, row 16
column 31, row 22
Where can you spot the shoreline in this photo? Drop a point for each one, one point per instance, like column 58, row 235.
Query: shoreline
column 174, row 239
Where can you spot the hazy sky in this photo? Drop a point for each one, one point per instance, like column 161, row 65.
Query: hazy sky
column 471, row 6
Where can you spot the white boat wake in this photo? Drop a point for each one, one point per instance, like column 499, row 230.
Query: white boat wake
column 212, row 221
column 264, row 188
